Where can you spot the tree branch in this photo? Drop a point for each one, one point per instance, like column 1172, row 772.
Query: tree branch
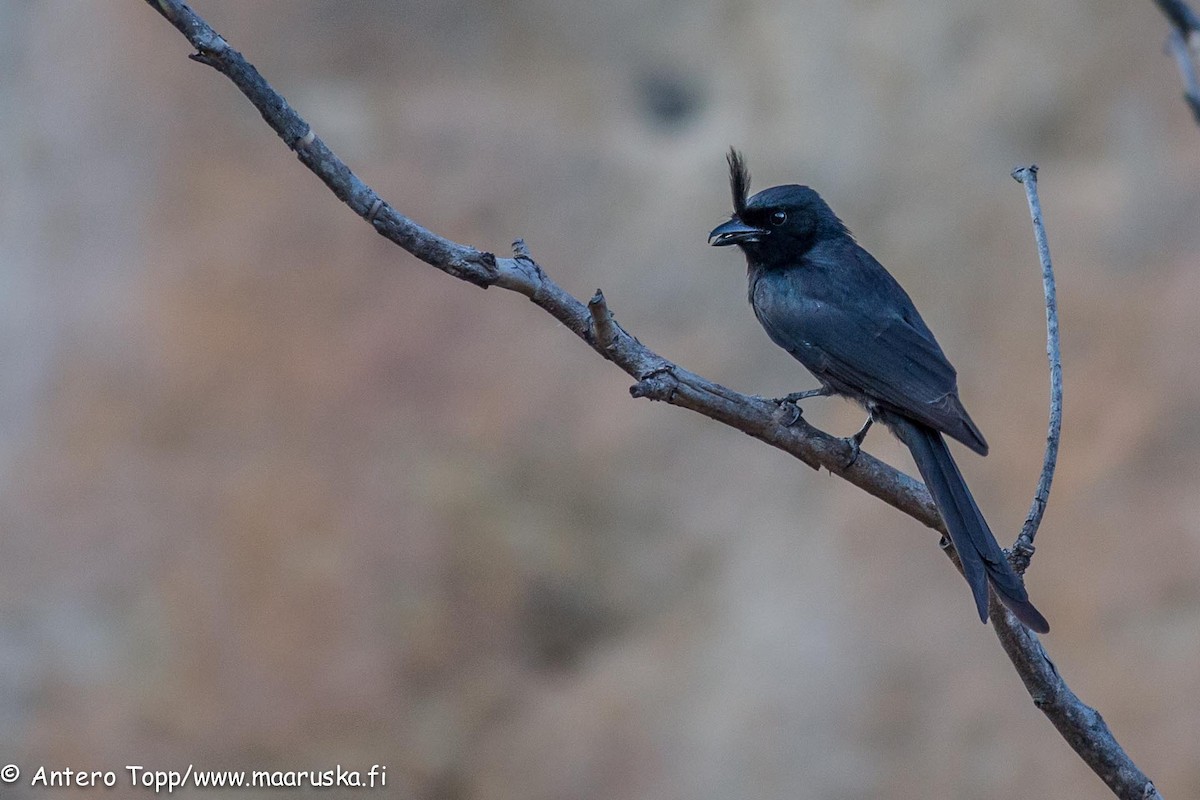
column 1023, row 549
column 1080, row 724
column 1184, row 44
column 659, row 379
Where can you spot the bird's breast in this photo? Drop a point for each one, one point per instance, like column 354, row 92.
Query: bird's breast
column 779, row 301
column 792, row 319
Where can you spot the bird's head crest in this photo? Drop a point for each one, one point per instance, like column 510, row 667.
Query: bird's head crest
column 739, row 180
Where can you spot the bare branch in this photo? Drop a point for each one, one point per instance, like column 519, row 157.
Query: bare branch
column 1024, row 544
column 1184, row 45
column 659, row 379
column 1079, row 724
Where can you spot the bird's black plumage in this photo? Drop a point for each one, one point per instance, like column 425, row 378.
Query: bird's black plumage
column 829, row 303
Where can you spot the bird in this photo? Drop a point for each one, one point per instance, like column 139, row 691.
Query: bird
column 825, row 300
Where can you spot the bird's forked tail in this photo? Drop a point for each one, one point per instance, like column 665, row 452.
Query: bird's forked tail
column 982, row 559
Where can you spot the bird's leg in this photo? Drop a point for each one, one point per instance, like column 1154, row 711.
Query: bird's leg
column 796, row 397
column 856, row 440
column 792, row 400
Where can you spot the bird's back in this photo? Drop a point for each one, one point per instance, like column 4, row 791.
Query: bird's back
column 842, row 315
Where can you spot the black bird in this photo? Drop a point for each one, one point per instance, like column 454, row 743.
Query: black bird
column 829, row 303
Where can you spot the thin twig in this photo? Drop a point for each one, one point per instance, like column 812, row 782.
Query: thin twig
column 659, row 379
column 1184, row 45
column 1024, row 545
column 1079, row 724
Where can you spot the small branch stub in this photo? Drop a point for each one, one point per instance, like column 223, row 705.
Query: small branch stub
column 521, row 251
column 603, row 326
column 657, row 384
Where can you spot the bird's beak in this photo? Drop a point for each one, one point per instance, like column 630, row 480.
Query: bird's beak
column 735, row 232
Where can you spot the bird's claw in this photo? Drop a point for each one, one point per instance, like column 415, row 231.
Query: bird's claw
column 796, row 410
column 855, row 444
column 855, row 441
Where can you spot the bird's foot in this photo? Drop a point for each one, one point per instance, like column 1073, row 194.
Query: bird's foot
column 791, row 402
column 855, row 446
column 794, row 410
column 790, row 412
column 855, row 442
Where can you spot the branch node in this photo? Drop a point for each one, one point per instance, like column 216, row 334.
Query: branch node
column 658, row 384
column 477, row 267
column 202, row 57
column 487, row 261
column 522, row 274
column 1021, row 554
column 305, row 140
column 376, row 207
column 210, row 46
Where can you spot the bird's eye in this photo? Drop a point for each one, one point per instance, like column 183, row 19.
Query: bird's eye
column 779, row 217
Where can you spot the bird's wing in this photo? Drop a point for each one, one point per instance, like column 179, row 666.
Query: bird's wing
column 878, row 351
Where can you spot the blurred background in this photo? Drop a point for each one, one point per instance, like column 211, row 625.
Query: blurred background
column 275, row 495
